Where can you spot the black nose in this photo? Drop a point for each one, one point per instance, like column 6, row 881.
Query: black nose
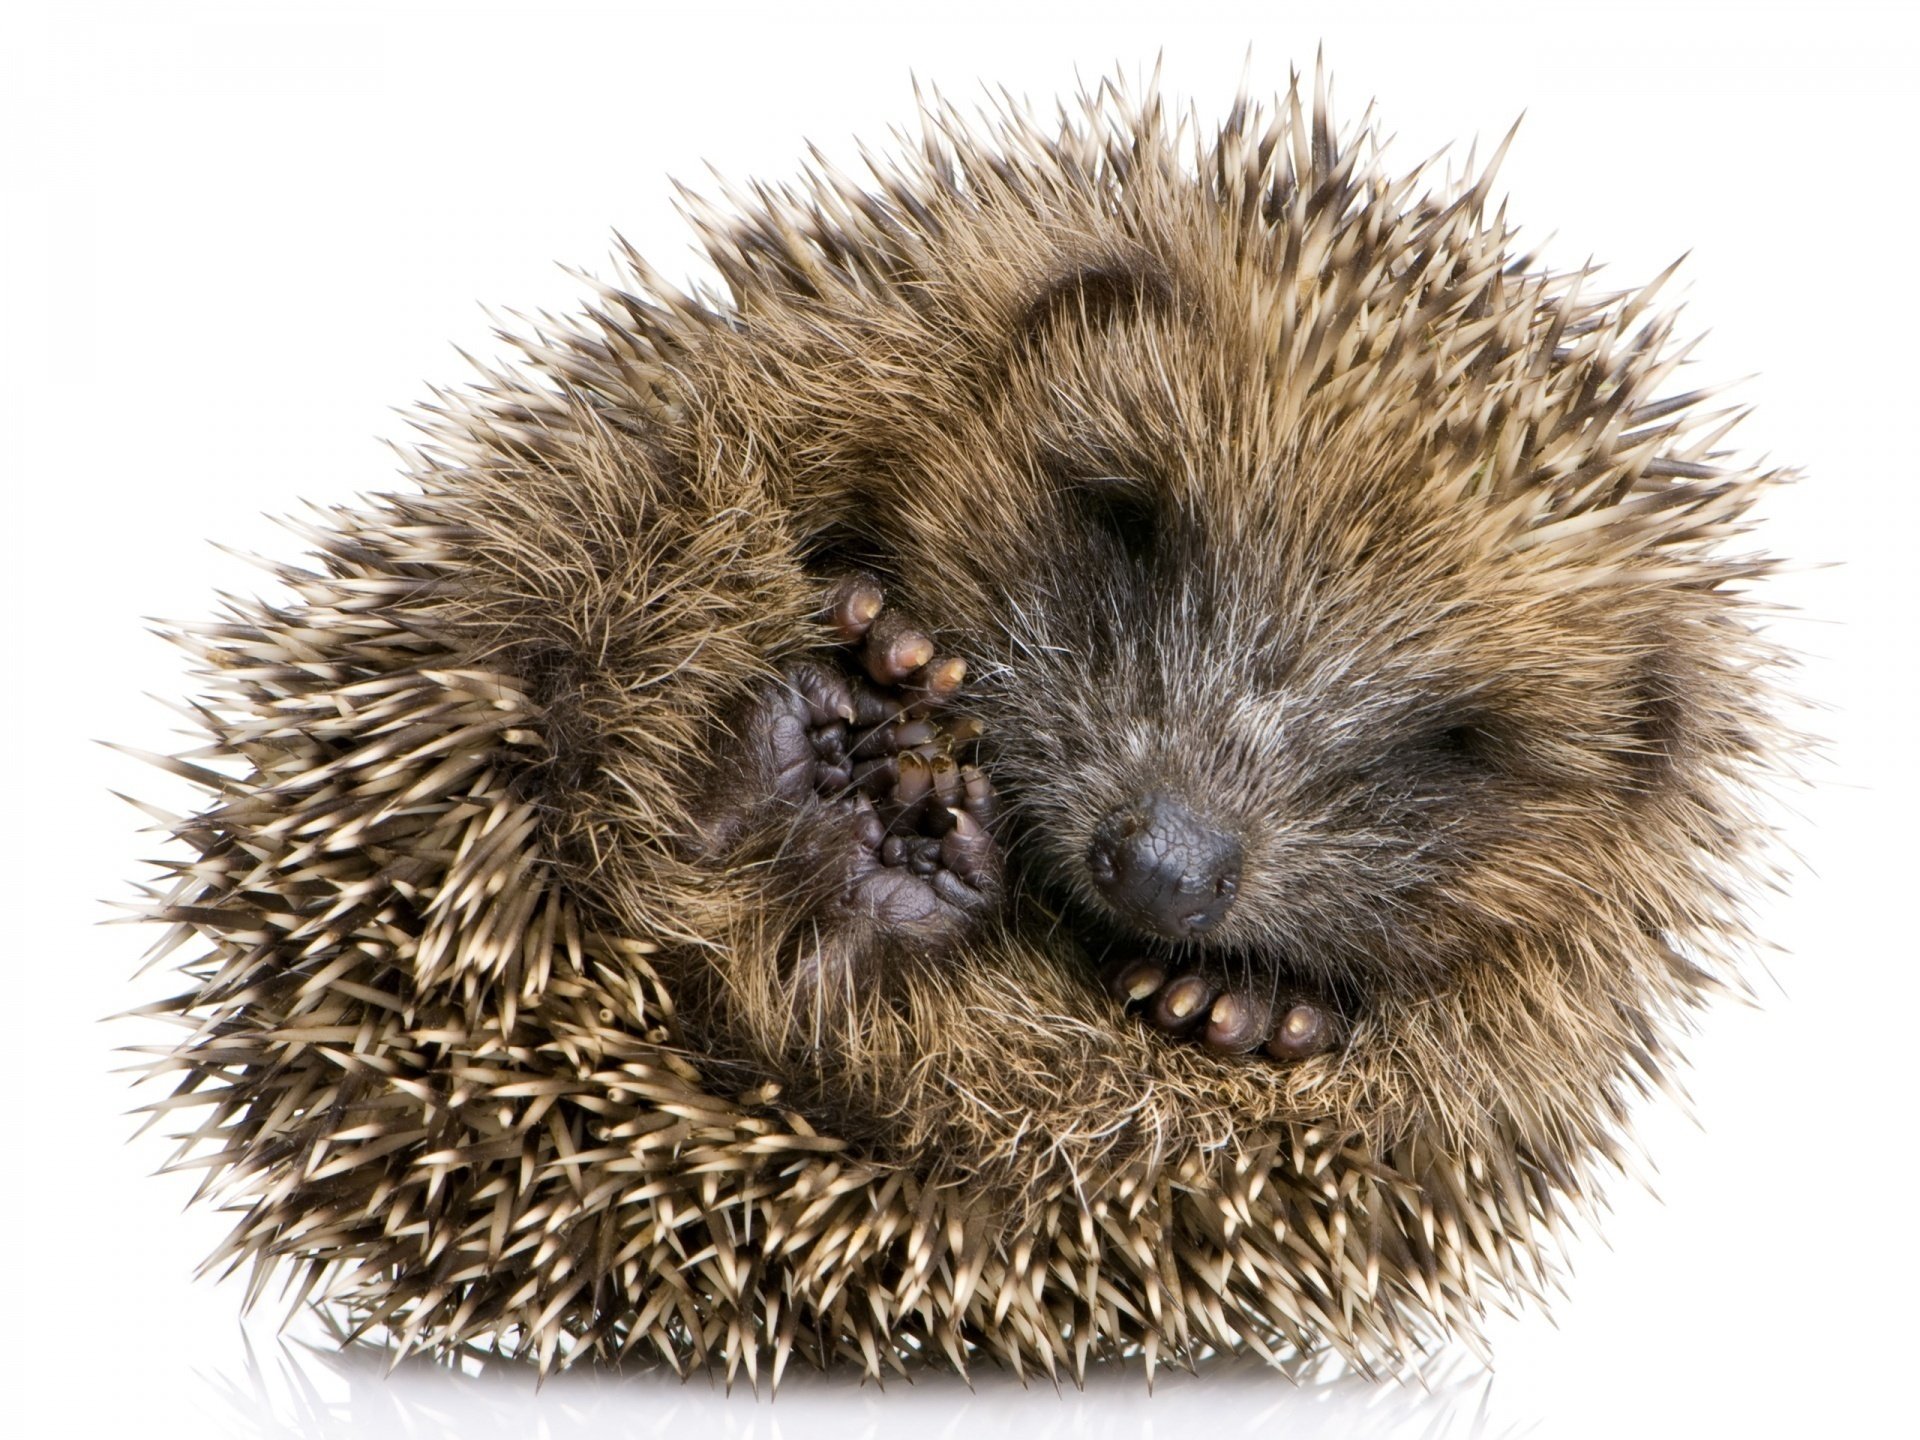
column 1159, row 864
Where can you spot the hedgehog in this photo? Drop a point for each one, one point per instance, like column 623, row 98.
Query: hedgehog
column 1124, row 741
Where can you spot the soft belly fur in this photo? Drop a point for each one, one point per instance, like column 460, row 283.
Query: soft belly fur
column 1122, row 749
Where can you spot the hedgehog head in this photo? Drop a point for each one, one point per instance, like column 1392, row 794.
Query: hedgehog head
column 1339, row 585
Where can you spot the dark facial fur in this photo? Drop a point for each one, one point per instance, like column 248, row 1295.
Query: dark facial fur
column 1363, row 690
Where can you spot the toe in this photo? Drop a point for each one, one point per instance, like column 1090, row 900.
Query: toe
column 892, row 736
column 966, row 849
column 1181, row 1003
column 1304, row 1029
column 1137, row 979
column 936, row 682
column 789, row 753
column 852, row 605
column 895, row 648
column 1237, row 1023
column 871, row 705
column 868, row 828
column 827, row 697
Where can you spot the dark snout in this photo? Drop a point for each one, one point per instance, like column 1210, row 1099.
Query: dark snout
column 1164, row 868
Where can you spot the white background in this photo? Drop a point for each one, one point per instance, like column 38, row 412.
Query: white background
column 237, row 236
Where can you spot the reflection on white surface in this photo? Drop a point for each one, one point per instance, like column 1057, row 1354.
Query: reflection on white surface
column 290, row 1388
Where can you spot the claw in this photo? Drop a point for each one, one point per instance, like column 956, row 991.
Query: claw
column 915, row 780
column 946, row 779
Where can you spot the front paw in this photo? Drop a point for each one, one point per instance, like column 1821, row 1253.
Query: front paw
column 1186, row 1003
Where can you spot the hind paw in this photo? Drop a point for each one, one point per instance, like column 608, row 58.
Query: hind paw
column 1187, row 1005
column 925, row 872
column 893, row 812
column 903, row 771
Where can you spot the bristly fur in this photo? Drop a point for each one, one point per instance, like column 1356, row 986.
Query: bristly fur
column 490, row 1055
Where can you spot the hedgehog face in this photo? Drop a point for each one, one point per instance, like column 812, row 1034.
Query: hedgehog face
column 1258, row 769
column 1266, row 679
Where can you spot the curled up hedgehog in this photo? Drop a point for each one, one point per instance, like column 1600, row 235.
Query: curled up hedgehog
column 1124, row 745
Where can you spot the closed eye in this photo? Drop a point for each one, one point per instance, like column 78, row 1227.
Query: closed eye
column 1462, row 742
column 1125, row 510
column 1470, row 743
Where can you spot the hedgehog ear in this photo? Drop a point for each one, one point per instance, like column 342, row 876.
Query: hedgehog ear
column 1094, row 293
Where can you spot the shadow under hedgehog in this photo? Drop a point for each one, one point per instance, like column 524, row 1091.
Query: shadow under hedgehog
column 1123, row 747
